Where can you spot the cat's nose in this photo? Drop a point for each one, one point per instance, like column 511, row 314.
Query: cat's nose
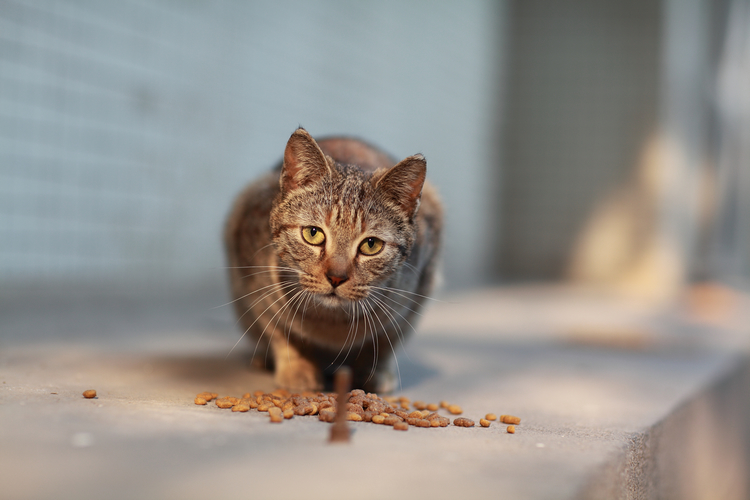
column 336, row 278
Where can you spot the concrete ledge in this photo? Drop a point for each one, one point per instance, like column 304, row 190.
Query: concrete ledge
column 616, row 402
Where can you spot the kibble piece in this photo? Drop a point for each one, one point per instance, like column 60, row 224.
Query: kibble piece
column 200, row 401
column 455, row 409
column 420, row 405
column 288, row 413
column 401, row 426
column 444, row 404
column 484, row 422
column 327, row 416
column 378, row 419
column 392, row 420
column 463, row 422
column 354, row 417
column 247, row 395
column 491, row 417
column 224, row 403
column 91, row 393
column 208, row 396
column 510, row 419
column 264, row 407
column 432, row 407
column 239, row 407
column 511, row 429
column 275, row 414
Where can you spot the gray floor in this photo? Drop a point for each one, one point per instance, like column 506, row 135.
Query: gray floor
column 609, row 394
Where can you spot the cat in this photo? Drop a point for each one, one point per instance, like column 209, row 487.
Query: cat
column 331, row 256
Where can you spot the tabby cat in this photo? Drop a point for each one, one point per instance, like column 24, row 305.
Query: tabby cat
column 331, row 256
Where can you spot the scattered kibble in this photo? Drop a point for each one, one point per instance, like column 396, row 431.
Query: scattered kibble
column 91, row 393
column 208, row 396
column 463, row 422
column 455, row 409
column 510, row 419
column 360, row 407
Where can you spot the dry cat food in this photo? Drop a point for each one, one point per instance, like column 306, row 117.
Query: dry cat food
column 392, row 411
column 463, row 422
column 91, row 393
column 511, row 429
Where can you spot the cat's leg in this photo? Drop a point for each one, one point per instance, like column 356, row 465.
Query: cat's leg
column 294, row 371
column 375, row 373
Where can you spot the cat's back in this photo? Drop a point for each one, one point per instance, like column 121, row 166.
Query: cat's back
column 350, row 151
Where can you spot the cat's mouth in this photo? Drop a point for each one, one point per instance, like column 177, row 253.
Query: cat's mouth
column 331, row 299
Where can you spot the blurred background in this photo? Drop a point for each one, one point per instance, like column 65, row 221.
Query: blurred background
column 577, row 141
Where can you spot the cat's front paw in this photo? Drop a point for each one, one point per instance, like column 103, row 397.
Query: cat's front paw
column 384, row 382
column 298, row 376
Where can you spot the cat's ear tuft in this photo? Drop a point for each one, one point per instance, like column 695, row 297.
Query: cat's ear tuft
column 304, row 161
column 403, row 183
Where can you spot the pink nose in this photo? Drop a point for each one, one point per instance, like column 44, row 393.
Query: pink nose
column 336, row 280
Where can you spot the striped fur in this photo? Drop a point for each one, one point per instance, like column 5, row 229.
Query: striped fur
column 312, row 308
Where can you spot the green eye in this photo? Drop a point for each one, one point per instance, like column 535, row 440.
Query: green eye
column 313, row 235
column 371, row 246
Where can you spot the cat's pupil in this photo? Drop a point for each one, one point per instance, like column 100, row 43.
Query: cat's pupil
column 313, row 231
column 371, row 242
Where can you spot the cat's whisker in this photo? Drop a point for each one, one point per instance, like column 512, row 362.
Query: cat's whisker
column 246, row 295
column 284, row 306
column 281, row 274
column 384, row 295
column 355, row 321
column 288, row 307
column 411, row 268
column 388, row 338
column 399, row 291
column 346, row 341
column 400, row 332
column 387, row 308
column 256, row 320
column 301, row 300
column 279, row 287
column 375, row 344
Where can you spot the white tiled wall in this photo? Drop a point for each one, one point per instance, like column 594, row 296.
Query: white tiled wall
column 127, row 127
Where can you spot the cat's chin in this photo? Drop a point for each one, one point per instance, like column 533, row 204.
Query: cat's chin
column 332, row 300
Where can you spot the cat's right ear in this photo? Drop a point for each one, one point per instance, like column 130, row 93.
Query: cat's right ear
column 304, row 161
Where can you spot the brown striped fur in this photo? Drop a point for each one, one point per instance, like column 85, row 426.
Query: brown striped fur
column 312, row 308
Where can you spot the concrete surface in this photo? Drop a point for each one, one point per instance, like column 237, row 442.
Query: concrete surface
column 616, row 402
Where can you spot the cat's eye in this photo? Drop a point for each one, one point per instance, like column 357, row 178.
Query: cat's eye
column 371, row 246
column 313, row 235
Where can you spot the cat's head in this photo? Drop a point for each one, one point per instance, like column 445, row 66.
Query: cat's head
column 345, row 229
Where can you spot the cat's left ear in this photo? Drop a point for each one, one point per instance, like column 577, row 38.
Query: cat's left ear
column 403, row 183
column 304, row 161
